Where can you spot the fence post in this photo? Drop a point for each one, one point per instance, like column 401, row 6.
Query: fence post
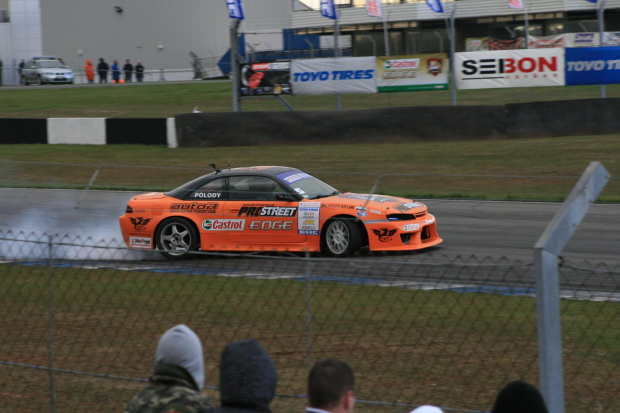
column 546, row 253
column 308, row 308
column 50, row 322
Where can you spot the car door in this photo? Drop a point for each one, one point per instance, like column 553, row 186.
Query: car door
column 204, row 205
column 266, row 219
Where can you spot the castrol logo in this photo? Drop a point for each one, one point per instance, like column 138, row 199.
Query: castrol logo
column 223, row 224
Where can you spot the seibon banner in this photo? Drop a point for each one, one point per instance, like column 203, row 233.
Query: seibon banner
column 334, row 75
column 509, row 68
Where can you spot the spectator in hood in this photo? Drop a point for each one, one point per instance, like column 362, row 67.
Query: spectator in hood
column 248, row 378
column 90, row 71
column 519, row 397
column 331, row 387
column 177, row 383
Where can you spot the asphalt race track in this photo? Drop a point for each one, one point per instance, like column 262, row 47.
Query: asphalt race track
column 468, row 227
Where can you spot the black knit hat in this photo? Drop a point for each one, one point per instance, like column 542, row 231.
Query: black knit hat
column 519, row 397
column 248, row 377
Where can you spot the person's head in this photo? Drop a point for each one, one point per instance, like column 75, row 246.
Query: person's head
column 518, row 397
column 427, row 409
column 101, row 59
column 180, row 346
column 139, row 62
column 331, row 386
column 127, row 61
column 248, row 377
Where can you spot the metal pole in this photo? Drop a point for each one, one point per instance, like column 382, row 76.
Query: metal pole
column 452, row 52
column 601, row 30
column 546, row 253
column 309, row 310
column 337, row 52
column 527, row 26
column 234, row 65
column 50, row 324
column 385, row 36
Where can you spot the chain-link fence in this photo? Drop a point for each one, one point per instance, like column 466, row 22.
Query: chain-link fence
column 82, row 317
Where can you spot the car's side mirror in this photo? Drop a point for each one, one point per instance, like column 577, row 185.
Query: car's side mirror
column 284, row 196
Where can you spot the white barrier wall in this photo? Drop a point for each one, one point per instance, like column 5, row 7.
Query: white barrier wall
column 81, row 131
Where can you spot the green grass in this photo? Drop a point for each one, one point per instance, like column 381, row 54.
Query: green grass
column 166, row 100
column 519, row 169
column 401, row 343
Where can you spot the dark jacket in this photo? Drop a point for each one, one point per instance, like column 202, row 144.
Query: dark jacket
column 248, row 378
column 173, row 388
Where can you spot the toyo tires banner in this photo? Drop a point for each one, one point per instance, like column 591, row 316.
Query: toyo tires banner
column 509, row 68
column 593, row 65
column 333, row 75
column 413, row 72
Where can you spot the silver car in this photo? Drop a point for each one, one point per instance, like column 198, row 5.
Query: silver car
column 46, row 70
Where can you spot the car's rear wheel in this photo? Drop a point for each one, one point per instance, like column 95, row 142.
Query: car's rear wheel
column 176, row 238
column 342, row 237
column 24, row 80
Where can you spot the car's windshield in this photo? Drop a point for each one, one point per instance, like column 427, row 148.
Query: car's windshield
column 49, row 64
column 306, row 185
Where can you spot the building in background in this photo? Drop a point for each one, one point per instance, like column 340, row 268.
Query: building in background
column 192, row 35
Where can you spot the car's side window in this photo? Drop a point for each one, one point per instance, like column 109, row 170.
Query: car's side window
column 212, row 190
column 254, row 188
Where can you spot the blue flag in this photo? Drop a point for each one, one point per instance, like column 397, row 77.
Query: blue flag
column 591, row 1
column 235, row 9
column 435, row 5
column 328, row 9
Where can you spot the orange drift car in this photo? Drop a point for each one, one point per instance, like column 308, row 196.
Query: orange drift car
column 268, row 208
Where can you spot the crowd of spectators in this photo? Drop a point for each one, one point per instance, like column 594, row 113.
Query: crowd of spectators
column 248, row 381
column 124, row 75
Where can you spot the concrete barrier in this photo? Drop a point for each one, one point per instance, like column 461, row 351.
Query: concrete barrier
column 403, row 124
column 408, row 124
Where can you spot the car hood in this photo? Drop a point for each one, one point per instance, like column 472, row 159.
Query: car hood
column 384, row 203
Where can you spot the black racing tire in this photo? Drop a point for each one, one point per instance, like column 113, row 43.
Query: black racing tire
column 176, row 238
column 341, row 237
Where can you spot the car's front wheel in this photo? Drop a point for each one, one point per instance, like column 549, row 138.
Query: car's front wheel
column 39, row 80
column 176, row 238
column 24, row 80
column 342, row 237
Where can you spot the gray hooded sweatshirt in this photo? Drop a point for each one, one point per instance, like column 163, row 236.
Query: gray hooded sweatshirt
column 181, row 346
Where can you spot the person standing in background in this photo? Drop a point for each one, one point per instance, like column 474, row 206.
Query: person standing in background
column 116, row 72
column 139, row 71
column 22, row 64
column 128, row 70
column 102, row 70
column 90, row 72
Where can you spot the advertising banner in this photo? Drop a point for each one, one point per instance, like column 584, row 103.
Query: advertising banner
column 334, row 75
column 328, row 9
column 509, row 68
column 516, row 4
column 412, row 72
column 266, row 78
column 373, row 8
column 593, row 65
column 235, row 9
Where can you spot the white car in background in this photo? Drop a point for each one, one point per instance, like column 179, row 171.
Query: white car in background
column 46, row 69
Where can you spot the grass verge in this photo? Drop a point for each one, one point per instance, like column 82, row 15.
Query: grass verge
column 519, row 169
